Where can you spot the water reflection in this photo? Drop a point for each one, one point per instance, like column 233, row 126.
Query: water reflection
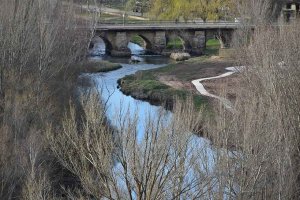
column 97, row 48
column 122, row 109
column 136, row 49
column 120, row 106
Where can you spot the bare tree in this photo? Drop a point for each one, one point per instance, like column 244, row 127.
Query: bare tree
column 259, row 11
column 264, row 130
column 255, row 151
column 39, row 41
column 166, row 162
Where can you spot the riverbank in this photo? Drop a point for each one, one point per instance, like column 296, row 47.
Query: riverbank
column 162, row 85
column 99, row 66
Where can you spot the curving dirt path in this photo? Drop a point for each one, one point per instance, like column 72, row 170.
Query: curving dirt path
column 199, row 86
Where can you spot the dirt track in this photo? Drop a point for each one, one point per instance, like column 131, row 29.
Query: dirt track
column 180, row 77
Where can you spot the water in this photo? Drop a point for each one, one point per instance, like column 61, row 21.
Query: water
column 122, row 108
column 136, row 49
column 120, row 105
column 99, row 48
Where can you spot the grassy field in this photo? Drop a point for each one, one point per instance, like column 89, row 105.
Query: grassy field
column 212, row 45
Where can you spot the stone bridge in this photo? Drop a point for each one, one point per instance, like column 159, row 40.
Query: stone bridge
column 156, row 36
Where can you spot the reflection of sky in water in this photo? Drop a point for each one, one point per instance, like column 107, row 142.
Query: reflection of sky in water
column 127, row 108
column 98, row 49
column 135, row 49
column 124, row 108
column 120, row 105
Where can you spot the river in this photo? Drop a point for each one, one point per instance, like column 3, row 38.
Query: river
column 121, row 108
column 118, row 104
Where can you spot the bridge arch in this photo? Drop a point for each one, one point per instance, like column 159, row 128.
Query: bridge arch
column 178, row 41
column 102, row 43
column 108, row 45
column 142, row 40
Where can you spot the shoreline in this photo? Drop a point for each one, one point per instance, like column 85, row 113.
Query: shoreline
column 161, row 86
column 99, row 66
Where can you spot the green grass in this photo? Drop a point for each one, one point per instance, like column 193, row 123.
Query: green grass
column 167, row 68
column 212, row 43
column 101, row 66
column 212, row 47
column 144, row 84
column 198, row 59
column 175, row 44
column 138, row 40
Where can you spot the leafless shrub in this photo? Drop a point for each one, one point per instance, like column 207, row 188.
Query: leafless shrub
column 165, row 161
column 265, row 127
column 38, row 42
column 86, row 151
column 259, row 11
